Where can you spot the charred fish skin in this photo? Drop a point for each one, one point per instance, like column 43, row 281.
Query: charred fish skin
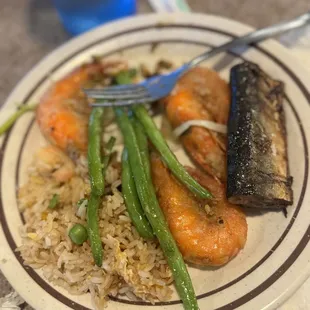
column 257, row 165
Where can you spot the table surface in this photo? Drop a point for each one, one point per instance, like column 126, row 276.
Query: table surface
column 26, row 36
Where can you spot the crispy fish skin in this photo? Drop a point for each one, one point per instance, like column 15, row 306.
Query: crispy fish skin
column 257, row 166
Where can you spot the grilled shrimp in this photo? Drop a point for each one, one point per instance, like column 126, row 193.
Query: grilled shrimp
column 201, row 95
column 208, row 232
column 63, row 112
column 51, row 161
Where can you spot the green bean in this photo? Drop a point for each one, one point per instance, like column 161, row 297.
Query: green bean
column 78, row 234
column 96, row 174
column 93, row 228
column 107, row 156
column 167, row 155
column 143, row 144
column 12, row 119
column 129, row 191
column 125, row 77
column 154, row 213
column 54, row 202
column 132, row 202
column 94, row 151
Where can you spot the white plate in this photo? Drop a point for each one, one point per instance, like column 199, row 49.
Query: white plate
column 275, row 260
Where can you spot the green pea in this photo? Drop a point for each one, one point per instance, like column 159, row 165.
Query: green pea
column 78, row 234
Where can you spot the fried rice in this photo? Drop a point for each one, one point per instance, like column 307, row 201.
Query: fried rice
column 132, row 268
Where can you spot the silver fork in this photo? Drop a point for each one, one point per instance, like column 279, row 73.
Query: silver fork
column 160, row 86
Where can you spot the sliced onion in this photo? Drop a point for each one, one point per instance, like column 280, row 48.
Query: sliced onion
column 81, row 211
column 201, row 123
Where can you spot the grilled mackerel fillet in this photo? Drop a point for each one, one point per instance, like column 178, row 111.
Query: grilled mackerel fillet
column 258, row 174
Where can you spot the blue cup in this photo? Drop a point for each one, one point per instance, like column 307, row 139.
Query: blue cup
column 81, row 15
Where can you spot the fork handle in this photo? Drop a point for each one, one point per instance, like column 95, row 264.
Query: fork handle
column 253, row 37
